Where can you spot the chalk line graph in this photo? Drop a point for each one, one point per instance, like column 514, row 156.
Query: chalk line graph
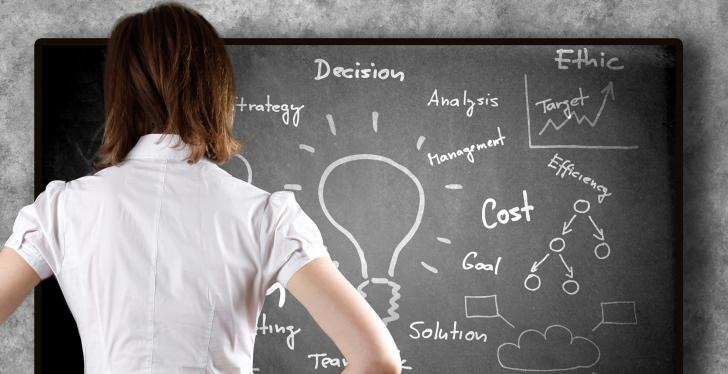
column 531, row 144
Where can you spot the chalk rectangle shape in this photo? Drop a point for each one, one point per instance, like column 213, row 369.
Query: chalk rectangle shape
column 481, row 306
column 619, row 313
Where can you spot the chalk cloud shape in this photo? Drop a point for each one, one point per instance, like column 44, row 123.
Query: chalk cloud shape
column 555, row 349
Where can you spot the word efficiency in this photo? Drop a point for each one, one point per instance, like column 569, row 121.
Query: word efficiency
column 285, row 109
column 562, row 62
column 468, row 151
column 470, row 103
column 356, row 72
column 505, row 216
column 565, row 167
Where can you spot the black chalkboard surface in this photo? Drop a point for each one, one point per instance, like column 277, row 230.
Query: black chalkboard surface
column 506, row 205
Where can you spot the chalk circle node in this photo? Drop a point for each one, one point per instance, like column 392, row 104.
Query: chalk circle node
column 570, row 286
column 557, row 244
column 581, row 203
column 532, row 282
column 602, row 250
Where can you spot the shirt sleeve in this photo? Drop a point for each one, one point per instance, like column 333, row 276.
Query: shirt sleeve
column 289, row 238
column 37, row 231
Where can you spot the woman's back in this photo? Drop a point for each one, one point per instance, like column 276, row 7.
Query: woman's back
column 165, row 264
column 163, row 257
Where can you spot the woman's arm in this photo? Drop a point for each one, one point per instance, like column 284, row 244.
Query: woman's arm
column 346, row 317
column 17, row 279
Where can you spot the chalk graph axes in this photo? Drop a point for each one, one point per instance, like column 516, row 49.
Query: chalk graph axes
column 559, row 146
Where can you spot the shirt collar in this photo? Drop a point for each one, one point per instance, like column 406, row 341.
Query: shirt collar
column 161, row 146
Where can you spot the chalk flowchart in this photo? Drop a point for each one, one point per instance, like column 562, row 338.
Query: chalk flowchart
column 557, row 245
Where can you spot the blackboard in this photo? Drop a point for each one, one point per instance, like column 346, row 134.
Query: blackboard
column 506, row 205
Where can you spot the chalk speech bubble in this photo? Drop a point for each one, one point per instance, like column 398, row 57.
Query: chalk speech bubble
column 554, row 349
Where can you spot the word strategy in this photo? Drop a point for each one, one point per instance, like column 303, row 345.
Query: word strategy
column 467, row 151
column 284, row 109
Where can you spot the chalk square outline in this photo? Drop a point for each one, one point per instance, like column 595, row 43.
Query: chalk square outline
column 634, row 312
column 495, row 300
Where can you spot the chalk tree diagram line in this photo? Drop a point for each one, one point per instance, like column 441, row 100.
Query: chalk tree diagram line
column 557, row 245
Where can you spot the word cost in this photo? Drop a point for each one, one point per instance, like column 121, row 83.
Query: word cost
column 505, row 216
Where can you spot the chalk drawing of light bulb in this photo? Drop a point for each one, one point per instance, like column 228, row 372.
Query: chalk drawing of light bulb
column 393, row 286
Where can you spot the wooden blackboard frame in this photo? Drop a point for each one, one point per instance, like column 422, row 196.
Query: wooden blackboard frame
column 39, row 182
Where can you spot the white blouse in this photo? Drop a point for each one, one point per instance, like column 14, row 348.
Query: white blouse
column 165, row 265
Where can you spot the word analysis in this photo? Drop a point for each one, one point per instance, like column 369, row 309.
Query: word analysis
column 284, row 109
column 466, row 151
column 468, row 102
column 323, row 69
column 565, row 167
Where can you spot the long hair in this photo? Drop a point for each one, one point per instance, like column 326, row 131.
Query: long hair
column 167, row 71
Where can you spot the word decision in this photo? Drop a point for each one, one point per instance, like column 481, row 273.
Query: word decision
column 468, row 151
column 358, row 72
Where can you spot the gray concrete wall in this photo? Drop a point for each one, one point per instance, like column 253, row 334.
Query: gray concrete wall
column 701, row 24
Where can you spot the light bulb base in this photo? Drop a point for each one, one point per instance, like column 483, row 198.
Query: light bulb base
column 392, row 314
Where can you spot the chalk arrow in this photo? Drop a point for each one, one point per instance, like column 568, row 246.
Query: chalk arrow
column 570, row 269
column 567, row 225
column 608, row 90
column 535, row 266
column 599, row 231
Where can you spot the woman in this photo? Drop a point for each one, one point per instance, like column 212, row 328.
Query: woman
column 163, row 257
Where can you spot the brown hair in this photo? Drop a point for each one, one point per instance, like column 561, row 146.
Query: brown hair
column 167, row 71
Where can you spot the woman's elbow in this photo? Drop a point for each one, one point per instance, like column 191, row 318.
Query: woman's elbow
column 380, row 365
column 389, row 365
